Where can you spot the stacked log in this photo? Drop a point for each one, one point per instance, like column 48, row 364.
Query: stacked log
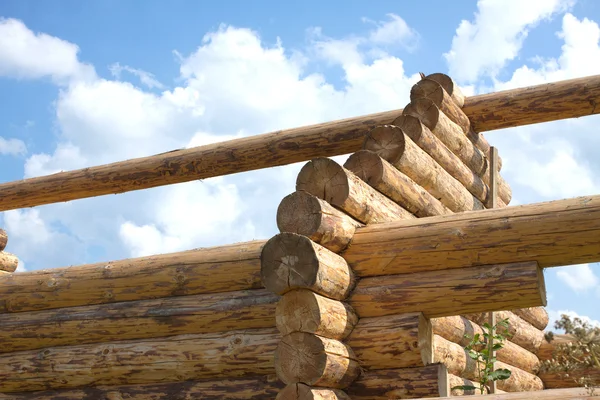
column 8, row 262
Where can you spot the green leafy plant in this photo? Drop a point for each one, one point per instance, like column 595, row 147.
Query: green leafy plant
column 579, row 358
column 481, row 348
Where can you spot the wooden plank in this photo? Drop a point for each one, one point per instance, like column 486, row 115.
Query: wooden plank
column 553, row 394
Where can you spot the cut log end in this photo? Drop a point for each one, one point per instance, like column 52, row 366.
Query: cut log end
column 450, row 87
column 387, row 141
column 367, row 165
column 291, row 261
column 430, row 89
column 300, row 391
column 424, row 109
column 3, row 239
column 411, row 126
column 8, row 262
column 315, row 361
column 325, row 179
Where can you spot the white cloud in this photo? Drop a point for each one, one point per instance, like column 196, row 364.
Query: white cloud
column 580, row 278
column 145, row 77
column 12, row 146
column 394, row 31
column 484, row 46
column 555, row 315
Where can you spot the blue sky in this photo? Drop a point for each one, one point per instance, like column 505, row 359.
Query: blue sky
column 85, row 83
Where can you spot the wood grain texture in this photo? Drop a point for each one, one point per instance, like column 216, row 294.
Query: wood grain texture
column 259, row 387
column 392, row 144
column 300, row 391
column 302, row 310
column 404, row 383
column 142, row 319
column 536, row 316
column 315, row 361
column 4, row 238
column 393, row 341
column 211, row 356
column 8, row 262
column 308, row 215
column 291, row 261
column 556, row 233
column 432, row 90
column 449, row 86
column 451, row 291
column 458, row 362
column 553, row 394
column 326, row 179
column 207, row 270
column 387, row 179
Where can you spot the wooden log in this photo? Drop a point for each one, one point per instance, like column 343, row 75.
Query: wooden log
column 546, row 351
column 536, row 316
column 308, row 215
column 560, row 380
column 400, row 151
column 449, row 86
column 4, row 238
column 460, row 330
column 300, row 391
column 387, row 179
column 433, row 146
column 485, row 288
column 233, row 354
column 302, row 310
column 315, row 361
column 291, row 261
column 451, row 135
column 405, row 383
column 326, row 179
column 208, row 270
column 556, row 233
column 8, row 262
column 430, row 89
column 142, row 319
column 458, row 362
column 553, row 394
column 458, row 381
column 258, row 387
column 521, row 332
column 393, row 341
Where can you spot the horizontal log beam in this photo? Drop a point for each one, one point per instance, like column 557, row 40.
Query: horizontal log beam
column 555, row 233
column 541, row 103
column 552, row 394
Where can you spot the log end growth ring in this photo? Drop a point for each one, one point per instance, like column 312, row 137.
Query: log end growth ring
column 387, row 141
column 324, row 178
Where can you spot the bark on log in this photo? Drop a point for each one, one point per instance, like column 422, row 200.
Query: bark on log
column 394, row 341
column 522, row 333
column 326, row 179
column 451, row 135
column 400, row 151
column 302, row 310
column 536, row 316
column 458, row 329
column 233, row 354
column 291, row 261
column 308, row 215
column 433, row 146
column 456, row 359
column 143, row 319
column 556, row 233
column 4, row 238
column 300, row 391
column 387, row 179
column 485, row 288
column 405, row 383
column 251, row 388
column 430, row 89
column 552, row 394
column 316, row 361
column 449, row 86
column 208, row 270
column 558, row 380
column 8, row 262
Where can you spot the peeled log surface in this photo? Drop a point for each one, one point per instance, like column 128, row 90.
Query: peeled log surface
column 251, row 388
column 142, row 319
column 552, row 394
column 430, row 89
column 315, row 361
column 451, row 135
column 433, row 146
column 557, row 380
column 536, row 316
column 326, row 179
column 233, row 354
column 404, row 383
column 3, row 239
column 8, row 262
column 387, row 179
column 522, row 333
column 393, row 341
column 208, row 270
column 556, row 233
column 300, row 391
column 451, row 291
column 455, row 328
column 308, row 215
column 291, row 261
column 456, row 359
column 449, row 86
column 302, row 310
column 391, row 144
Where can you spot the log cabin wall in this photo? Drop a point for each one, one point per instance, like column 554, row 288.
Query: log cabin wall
column 302, row 315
